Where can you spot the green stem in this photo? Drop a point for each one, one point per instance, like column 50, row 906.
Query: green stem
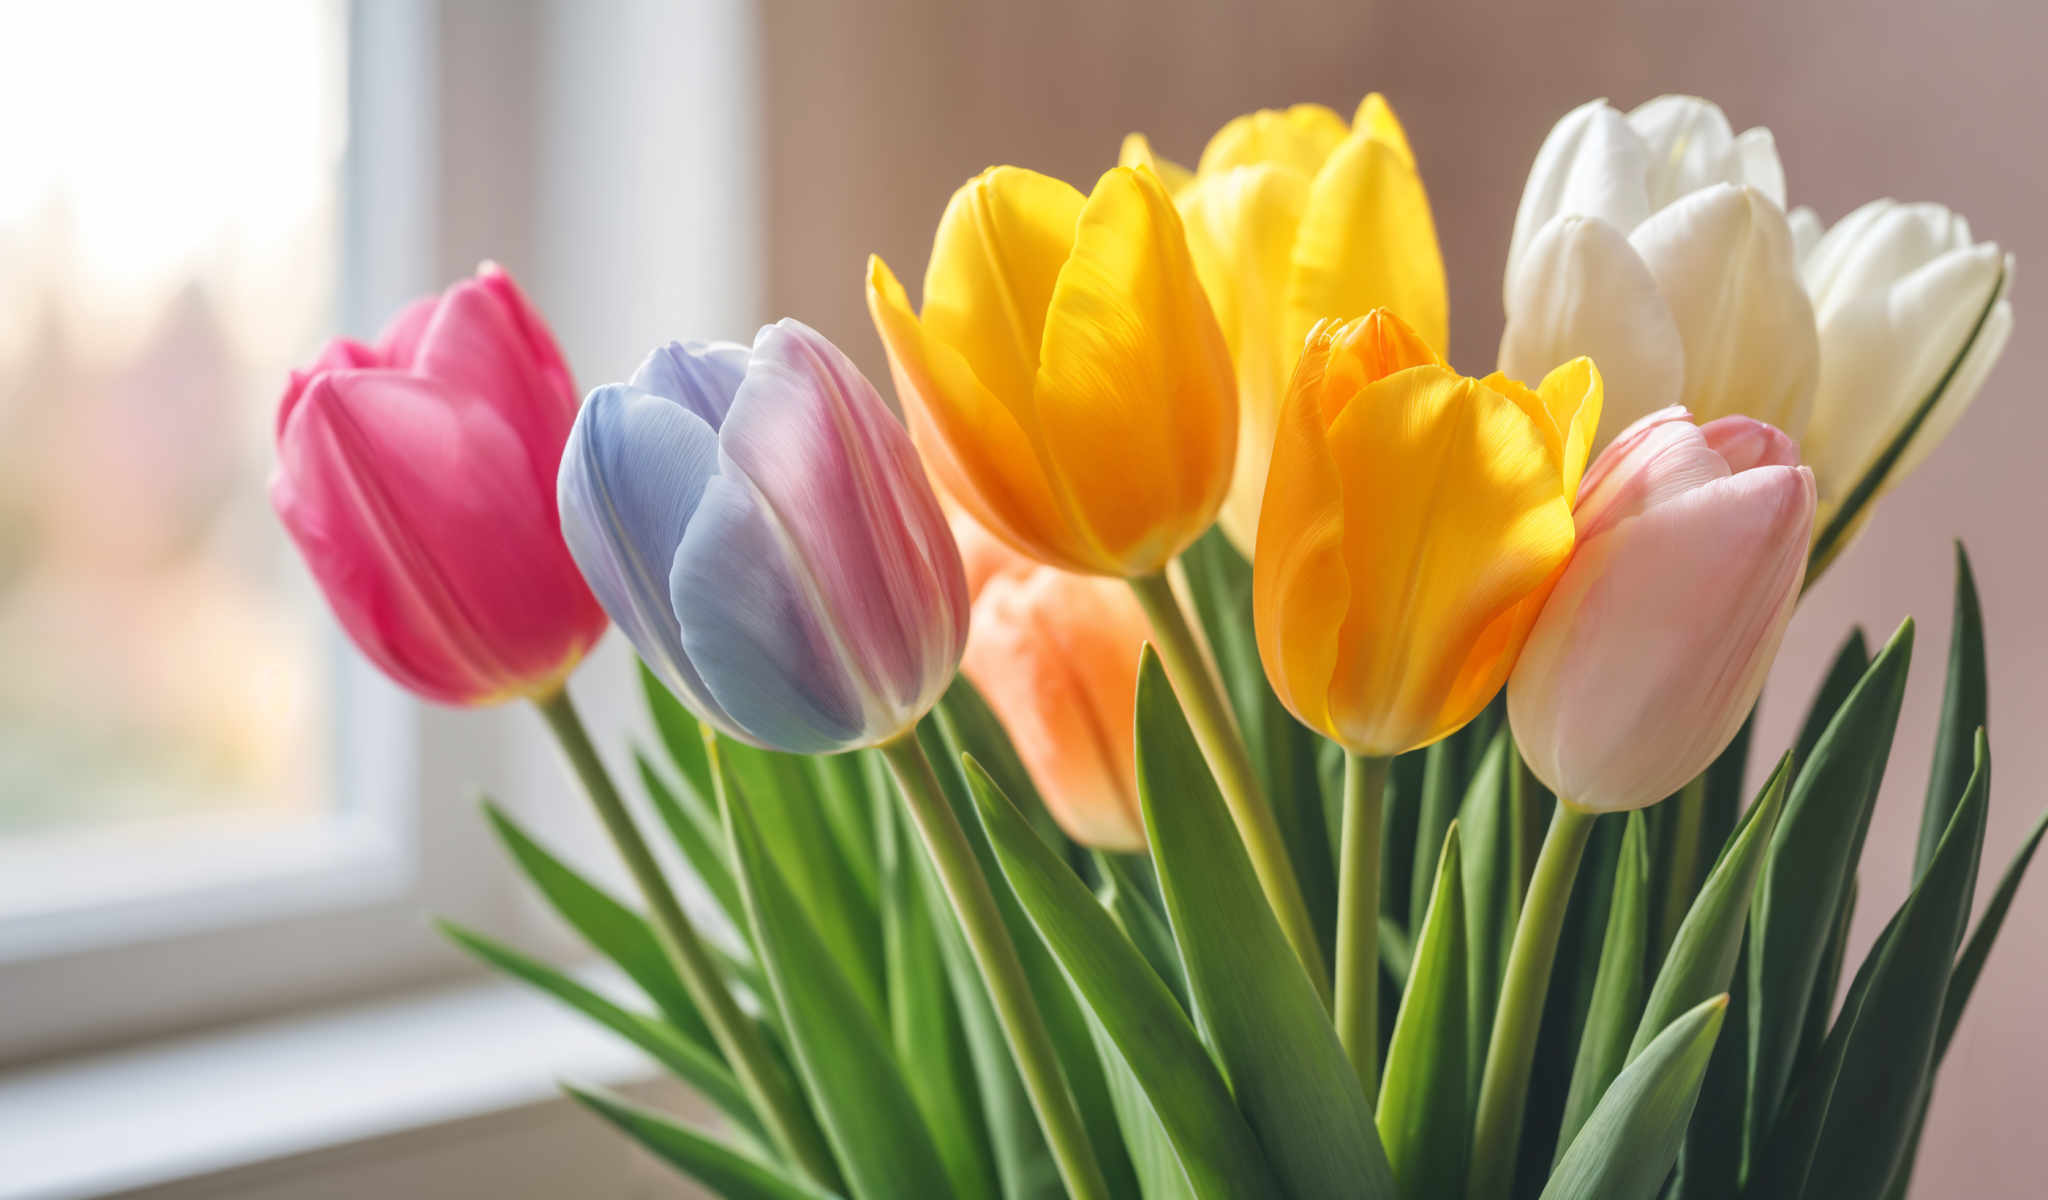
column 767, row 1082
column 1030, row 1044
column 1208, row 712
column 1503, row 1089
column 1358, row 918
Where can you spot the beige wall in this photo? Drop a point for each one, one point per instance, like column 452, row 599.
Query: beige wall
column 876, row 111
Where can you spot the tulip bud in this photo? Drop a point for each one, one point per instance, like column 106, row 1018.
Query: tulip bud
column 1291, row 217
column 1066, row 381
column 758, row 525
column 1056, row 656
column 1657, row 244
column 1907, row 303
column 416, row 476
column 1653, row 646
column 1412, row 521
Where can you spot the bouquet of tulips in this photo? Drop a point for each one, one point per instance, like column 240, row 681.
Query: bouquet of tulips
column 1202, row 744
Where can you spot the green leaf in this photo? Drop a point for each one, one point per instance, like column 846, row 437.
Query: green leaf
column 700, row 840
column 1258, row 1009
column 682, row 737
column 1135, row 1010
column 1153, row 1159
column 839, row 781
column 719, row 1167
column 1964, row 700
column 1627, row 1146
column 970, row 726
column 1702, row 956
column 696, row 1064
column 853, row 1081
column 1806, row 871
column 784, row 803
column 1844, row 1127
column 1487, row 830
column 1282, row 749
column 1131, row 904
column 1425, row 1109
column 1618, row 988
column 612, row 929
column 925, row 1025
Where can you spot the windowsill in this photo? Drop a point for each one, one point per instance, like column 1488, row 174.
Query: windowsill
column 197, row 1107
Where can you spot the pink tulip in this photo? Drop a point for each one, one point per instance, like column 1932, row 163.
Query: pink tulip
column 418, row 478
column 1653, row 646
column 1056, row 656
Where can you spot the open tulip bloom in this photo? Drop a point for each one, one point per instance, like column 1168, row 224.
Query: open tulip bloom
column 1065, row 769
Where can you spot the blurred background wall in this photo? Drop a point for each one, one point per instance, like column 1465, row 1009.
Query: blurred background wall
column 874, row 112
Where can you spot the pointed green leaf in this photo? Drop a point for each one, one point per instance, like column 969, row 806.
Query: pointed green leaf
column 1844, row 1125
column 1425, row 1109
column 612, row 929
column 717, row 1166
column 1135, row 1010
column 1627, row 1146
column 1131, row 904
column 1970, row 963
column 1964, row 700
column 1702, row 957
column 1440, row 800
column 1827, row 985
column 1843, row 674
column 1258, row 1009
column 1618, row 988
column 970, row 726
column 1486, row 823
column 1806, row 871
column 866, row 1109
column 839, row 781
column 696, row 1064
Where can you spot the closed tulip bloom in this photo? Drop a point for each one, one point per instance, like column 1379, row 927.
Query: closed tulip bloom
column 1656, row 242
column 1653, row 646
column 757, row 523
column 1056, row 656
column 1907, row 304
column 1293, row 216
column 1413, row 521
column 416, row 476
column 1066, row 381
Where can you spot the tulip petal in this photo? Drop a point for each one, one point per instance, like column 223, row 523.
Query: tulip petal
column 1745, row 443
column 1375, row 119
column 1567, row 406
column 1689, row 141
column 970, row 441
column 834, row 471
column 1966, row 383
column 1655, row 643
column 1240, row 228
column 403, row 495
column 1723, row 260
column 1301, row 137
column 1581, row 290
column 1055, row 656
column 1591, row 164
column 751, row 626
column 1807, row 232
column 483, row 348
column 703, row 377
column 1135, row 399
column 1137, row 152
column 998, row 253
column 1452, row 517
column 632, row 476
column 1367, row 241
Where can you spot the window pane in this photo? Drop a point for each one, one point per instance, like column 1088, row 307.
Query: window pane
column 168, row 247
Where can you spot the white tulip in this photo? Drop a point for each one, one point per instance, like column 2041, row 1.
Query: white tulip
column 1656, row 242
column 1906, row 304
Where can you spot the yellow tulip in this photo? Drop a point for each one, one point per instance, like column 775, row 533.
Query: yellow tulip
column 1066, row 382
column 1413, row 522
column 1292, row 217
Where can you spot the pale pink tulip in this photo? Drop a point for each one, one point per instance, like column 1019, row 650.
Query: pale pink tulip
column 1653, row 646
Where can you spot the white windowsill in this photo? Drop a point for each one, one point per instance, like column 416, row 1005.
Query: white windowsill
column 201, row 1106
